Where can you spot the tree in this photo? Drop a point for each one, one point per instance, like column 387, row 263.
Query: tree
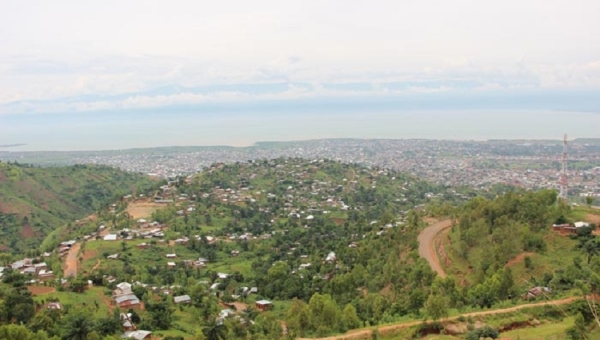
column 589, row 200
column 591, row 247
column 436, row 306
column 215, row 330
column 107, row 325
column 78, row 285
column 350, row 317
column 298, row 318
column 484, row 332
column 161, row 315
column 78, row 326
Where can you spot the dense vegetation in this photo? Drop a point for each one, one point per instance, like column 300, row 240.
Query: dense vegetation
column 34, row 201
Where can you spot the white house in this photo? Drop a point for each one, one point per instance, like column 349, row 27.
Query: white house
column 110, row 237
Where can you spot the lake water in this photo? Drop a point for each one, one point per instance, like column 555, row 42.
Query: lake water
column 101, row 131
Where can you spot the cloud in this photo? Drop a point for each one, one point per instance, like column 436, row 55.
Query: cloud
column 93, row 57
column 153, row 82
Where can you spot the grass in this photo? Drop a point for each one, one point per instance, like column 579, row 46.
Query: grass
column 547, row 331
column 90, row 298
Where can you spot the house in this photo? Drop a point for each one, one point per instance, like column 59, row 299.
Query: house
column 263, row 305
column 225, row 313
column 235, row 253
column 182, row 299
column 565, row 228
column 137, row 335
column 127, row 301
column 54, row 306
column 126, row 323
column 171, row 264
column 330, row 257
column 535, row 292
column 122, row 288
column 110, row 237
column 199, row 264
column 18, row 265
column 143, row 245
column 68, row 243
column 45, row 275
column 171, row 256
column 113, row 257
column 248, row 291
column 304, row 266
column 182, row 241
column 40, row 266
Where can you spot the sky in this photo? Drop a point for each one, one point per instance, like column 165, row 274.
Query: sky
column 96, row 56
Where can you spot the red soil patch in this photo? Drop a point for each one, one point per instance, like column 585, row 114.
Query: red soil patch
column 593, row 218
column 89, row 254
column 26, row 231
column 107, row 301
column 40, row 290
column 240, row 307
column 339, row 221
column 518, row 259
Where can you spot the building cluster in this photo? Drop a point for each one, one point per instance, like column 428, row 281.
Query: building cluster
column 32, row 268
column 480, row 164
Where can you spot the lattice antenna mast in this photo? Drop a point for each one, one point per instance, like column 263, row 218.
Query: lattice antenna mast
column 563, row 175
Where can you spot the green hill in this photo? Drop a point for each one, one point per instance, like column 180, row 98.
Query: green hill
column 34, row 201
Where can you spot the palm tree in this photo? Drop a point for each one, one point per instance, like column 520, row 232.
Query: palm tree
column 77, row 328
column 215, row 330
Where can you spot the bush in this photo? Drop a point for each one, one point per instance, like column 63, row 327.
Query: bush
column 483, row 332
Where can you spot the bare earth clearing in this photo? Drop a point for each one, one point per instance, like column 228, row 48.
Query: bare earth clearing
column 427, row 245
column 142, row 209
column 40, row 290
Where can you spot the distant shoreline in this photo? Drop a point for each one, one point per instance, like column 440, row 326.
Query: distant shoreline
column 12, row 145
column 263, row 144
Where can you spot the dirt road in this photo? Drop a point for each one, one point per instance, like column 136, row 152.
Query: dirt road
column 427, row 245
column 71, row 261
column 366, row 333
column 71, row 265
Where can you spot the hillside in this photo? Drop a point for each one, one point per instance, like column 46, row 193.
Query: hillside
column 515, row 231
column 315, row 248
column 34, row 201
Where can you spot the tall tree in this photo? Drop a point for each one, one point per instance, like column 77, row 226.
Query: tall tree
column 78, row 326
column 215, row 330
column 436, row 306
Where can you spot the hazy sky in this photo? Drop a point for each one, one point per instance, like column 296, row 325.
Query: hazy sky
column 71, row 56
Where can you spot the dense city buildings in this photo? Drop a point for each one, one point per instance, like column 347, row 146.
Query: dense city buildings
column 477, row 164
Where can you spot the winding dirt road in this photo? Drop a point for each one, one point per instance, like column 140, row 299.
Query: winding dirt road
column 427, row 245
column 366, row 333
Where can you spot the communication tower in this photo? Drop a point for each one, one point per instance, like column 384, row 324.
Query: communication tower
column 563, row 174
